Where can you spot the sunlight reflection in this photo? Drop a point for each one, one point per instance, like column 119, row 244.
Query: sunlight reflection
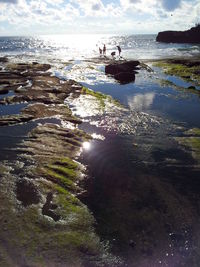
column 86, row 145
column 98, row 136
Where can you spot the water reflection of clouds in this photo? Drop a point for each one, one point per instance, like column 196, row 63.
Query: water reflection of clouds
column 141, row 101
column 114, row 118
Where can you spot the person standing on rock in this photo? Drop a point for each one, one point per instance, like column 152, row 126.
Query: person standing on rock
column 119, row 50
column 100, row 51
column 104, row 49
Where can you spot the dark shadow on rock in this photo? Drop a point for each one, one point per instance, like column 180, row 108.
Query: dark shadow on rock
column 3, row 91
column 27, row 192
column 125, row 77
column 3, row 59
column 49, row 207
column 123, row 72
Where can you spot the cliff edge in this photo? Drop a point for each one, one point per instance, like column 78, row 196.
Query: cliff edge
column 189, row 36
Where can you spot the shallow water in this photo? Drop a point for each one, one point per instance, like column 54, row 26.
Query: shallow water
column 11, row 109
column 143, row 187
column 12, row 136
column 139, row 175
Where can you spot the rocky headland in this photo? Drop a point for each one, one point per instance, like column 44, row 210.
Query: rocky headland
column 189, row 36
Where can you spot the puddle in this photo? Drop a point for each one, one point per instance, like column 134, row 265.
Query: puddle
column 179, row 82
column 12, row 136
column 11, row 109
column 6, row 95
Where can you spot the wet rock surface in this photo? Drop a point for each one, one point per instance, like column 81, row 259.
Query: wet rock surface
column 185, row 68
column 3, row 59
column 31, row 83
column 125, row 77
column 15, row 119
column 123, row 72
column 40, row 110
column 43, row 223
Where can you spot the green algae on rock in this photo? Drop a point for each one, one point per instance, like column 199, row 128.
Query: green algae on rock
column 193, row 131
column 33, row 239
column 101, row 97
column 49, row 225
column 184, row 90
column 187, row 69
column 191, row 140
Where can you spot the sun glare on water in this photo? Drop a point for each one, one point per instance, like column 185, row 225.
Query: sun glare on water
column 86, row 145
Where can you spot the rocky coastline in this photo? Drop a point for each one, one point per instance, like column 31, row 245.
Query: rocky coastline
column 189, row 36
column 43, row 222
column 43, row 219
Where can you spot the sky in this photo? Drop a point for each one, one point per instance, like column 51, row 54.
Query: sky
column 36, row 17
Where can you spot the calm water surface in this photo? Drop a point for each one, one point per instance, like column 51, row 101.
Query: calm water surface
column 140, row 177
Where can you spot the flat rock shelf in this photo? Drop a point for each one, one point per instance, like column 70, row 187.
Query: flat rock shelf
column 43, row 223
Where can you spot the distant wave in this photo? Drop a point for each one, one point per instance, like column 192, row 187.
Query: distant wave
column 66, row 47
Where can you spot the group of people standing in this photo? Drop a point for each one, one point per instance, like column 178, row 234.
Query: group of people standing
column 103, row 51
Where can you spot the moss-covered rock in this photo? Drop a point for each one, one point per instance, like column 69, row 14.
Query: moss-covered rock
column 191, row 140
column 42, row 221
column 102, row 98
column 49, row 226
column 186, row 69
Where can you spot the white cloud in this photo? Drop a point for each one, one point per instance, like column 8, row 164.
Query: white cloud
column 127, row 16
column 141, row 101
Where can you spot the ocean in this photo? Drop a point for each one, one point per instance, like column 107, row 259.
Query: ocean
column 77, row 47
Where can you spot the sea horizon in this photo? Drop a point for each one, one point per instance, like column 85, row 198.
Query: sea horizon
column 80, row 46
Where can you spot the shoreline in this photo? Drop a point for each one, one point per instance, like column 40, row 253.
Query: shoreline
column 52, row 225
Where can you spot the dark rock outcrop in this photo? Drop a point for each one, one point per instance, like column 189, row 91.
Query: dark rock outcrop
column 116, row 68
column 48, row 208
column 3, row 91
column 125, row 77
column 189, row 36
column 15, row 119
column 27, row 192
column 123, row 72
column 192, row 62
column 3, row 59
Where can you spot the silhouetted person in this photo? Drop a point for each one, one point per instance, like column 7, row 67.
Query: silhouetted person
column 100, row 51
column 104, row 49
column 113, row 54
column 119, row 50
